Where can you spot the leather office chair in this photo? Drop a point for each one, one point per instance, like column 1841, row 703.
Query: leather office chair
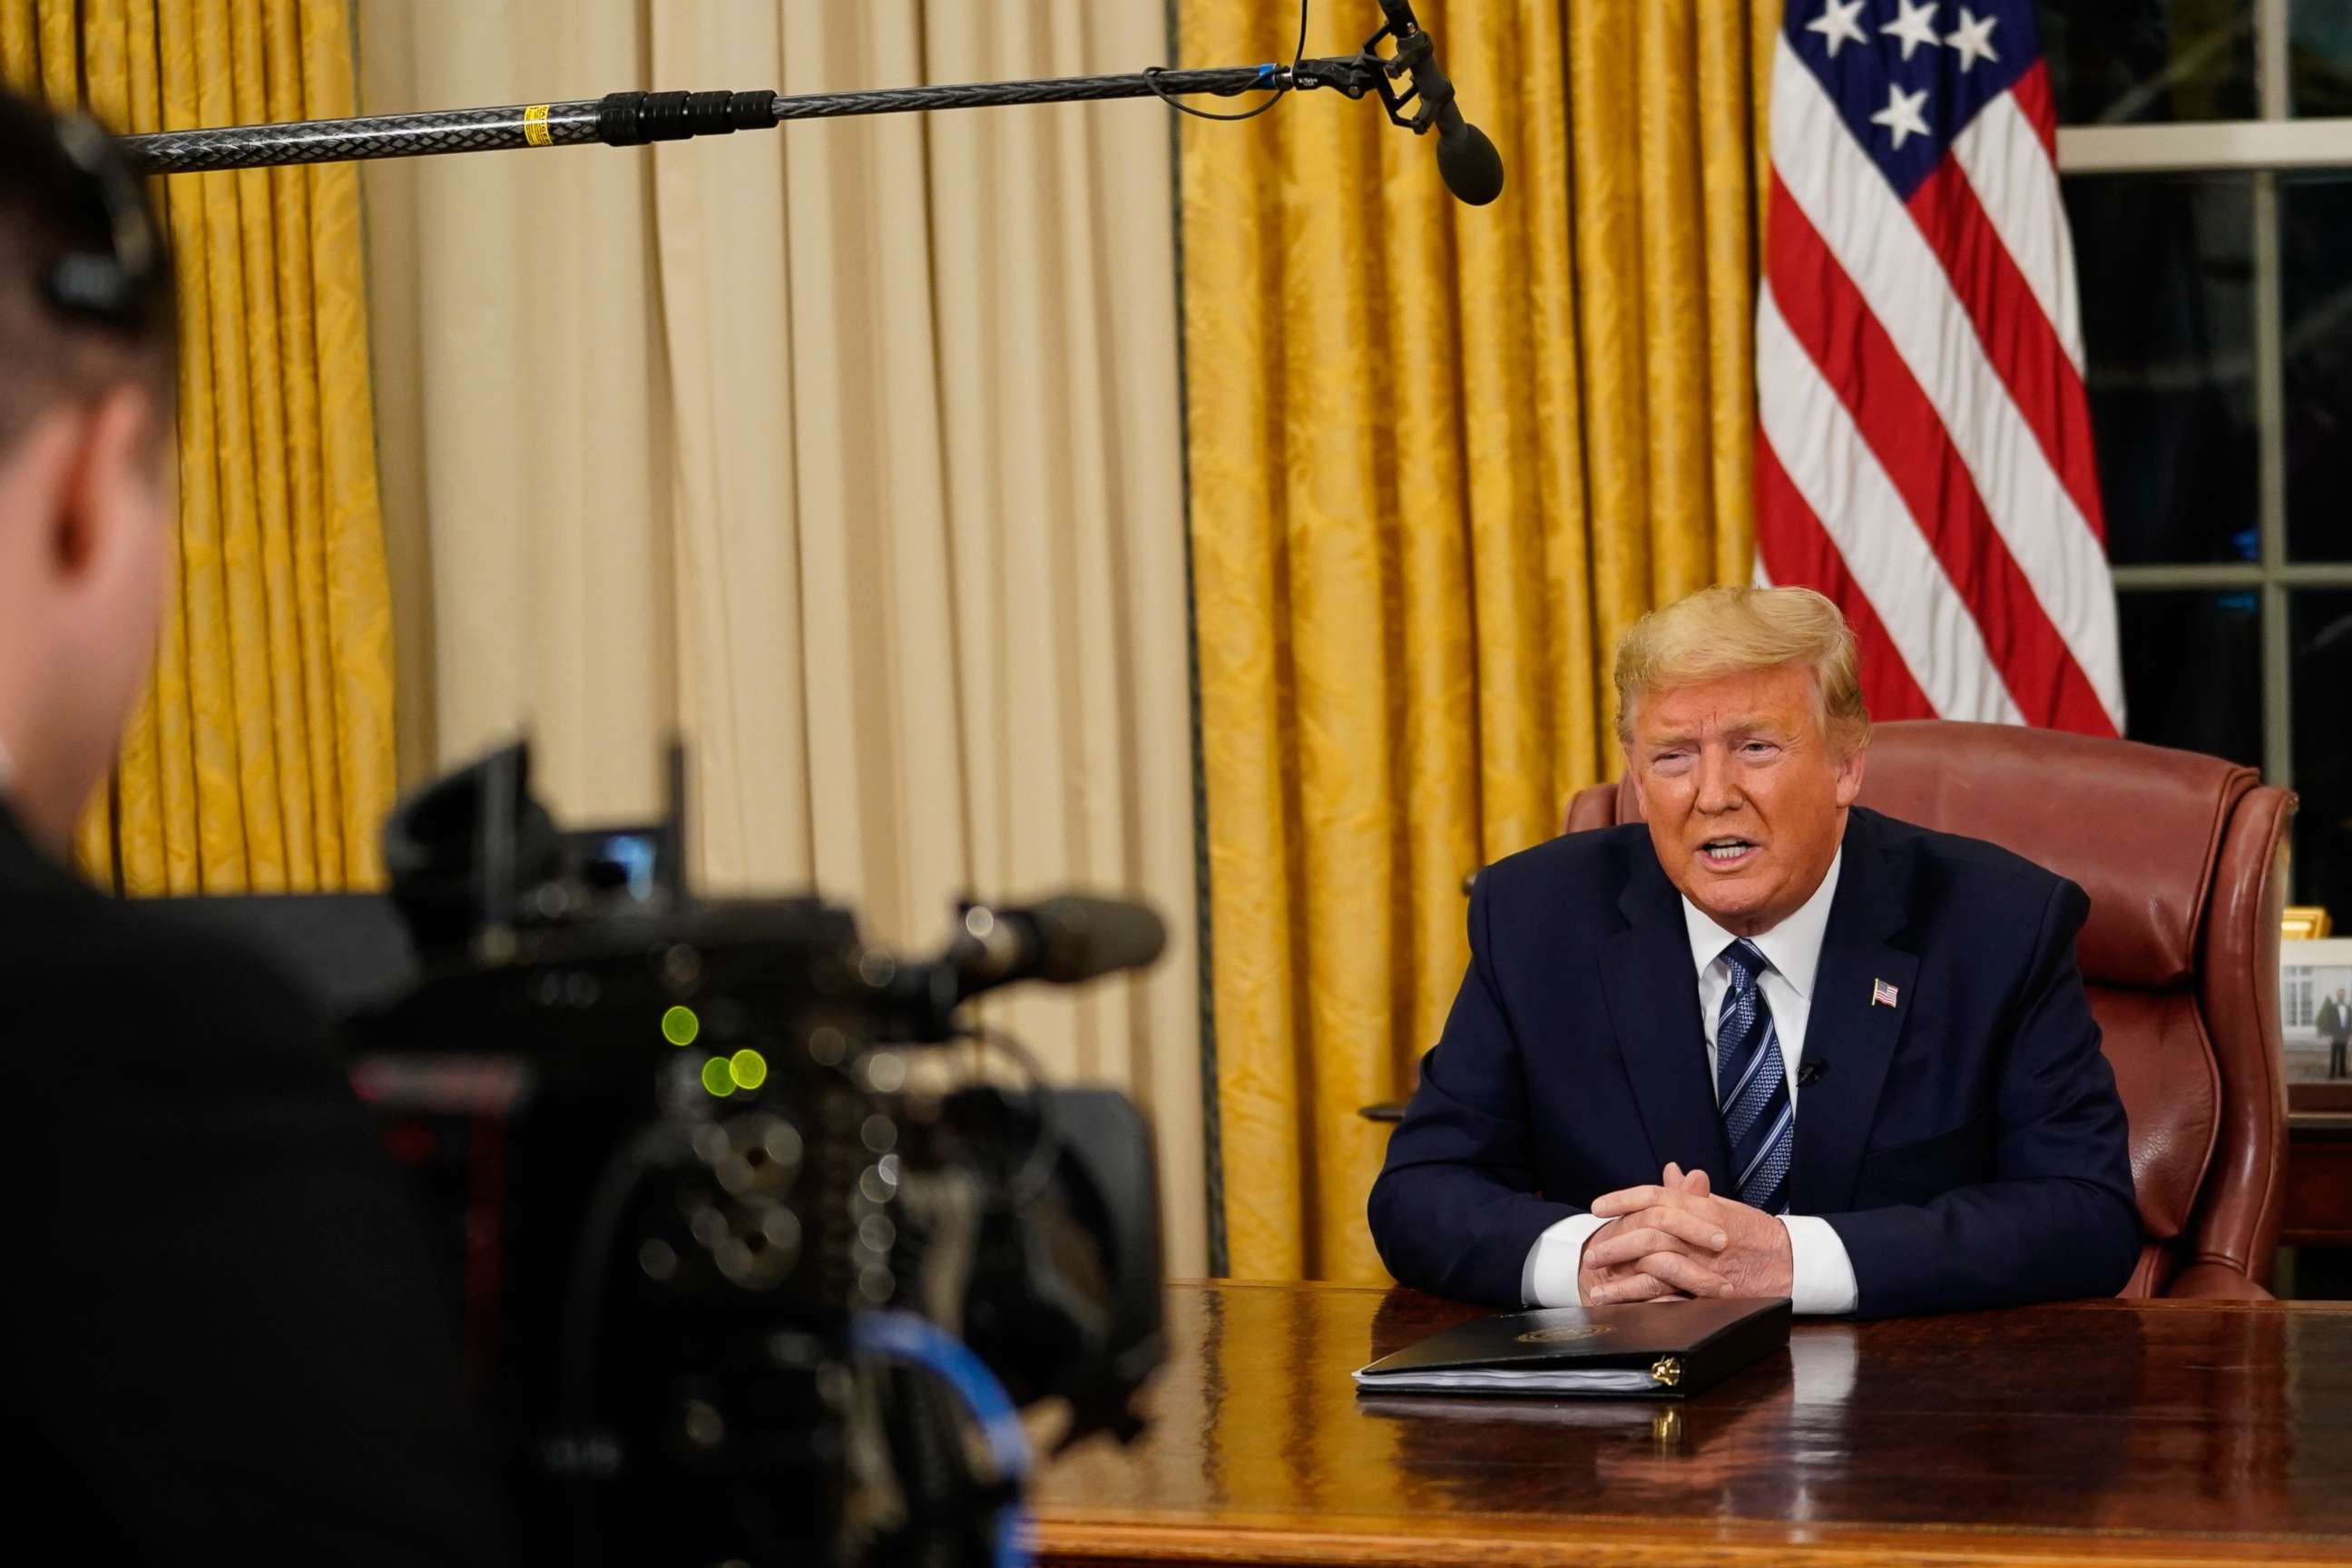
column 2184, row 857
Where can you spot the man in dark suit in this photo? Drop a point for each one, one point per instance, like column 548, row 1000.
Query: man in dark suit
column 1767, row 1042
column 221, row 1342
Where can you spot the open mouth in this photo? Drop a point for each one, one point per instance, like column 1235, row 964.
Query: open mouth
column 1724, row 853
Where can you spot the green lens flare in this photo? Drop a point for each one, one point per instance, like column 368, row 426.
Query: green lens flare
column 748, row 1069
column 716, row 1078
column 679, row 1026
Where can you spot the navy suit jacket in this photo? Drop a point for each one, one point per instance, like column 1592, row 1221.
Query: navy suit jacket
column 1967, row 1143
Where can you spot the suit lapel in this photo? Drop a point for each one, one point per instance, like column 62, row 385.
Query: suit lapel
column 1653, row 998
column 1849, row 1036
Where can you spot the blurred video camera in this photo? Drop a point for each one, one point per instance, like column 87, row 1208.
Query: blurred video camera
column 780, row 1243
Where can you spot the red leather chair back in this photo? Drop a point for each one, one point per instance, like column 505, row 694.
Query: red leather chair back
column 2184, row 859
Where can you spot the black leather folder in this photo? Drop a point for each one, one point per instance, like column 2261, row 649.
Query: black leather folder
column 1662, row 1350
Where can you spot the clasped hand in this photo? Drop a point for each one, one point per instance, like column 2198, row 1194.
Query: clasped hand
column 1677, row 1240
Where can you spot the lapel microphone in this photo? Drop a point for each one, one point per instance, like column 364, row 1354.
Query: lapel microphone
column 1813, row 1072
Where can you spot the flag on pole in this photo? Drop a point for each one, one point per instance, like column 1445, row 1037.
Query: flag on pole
column 1924, row 453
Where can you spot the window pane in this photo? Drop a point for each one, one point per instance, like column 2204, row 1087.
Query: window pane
column 2319, row 58
column 2116, row 61
column 2166, row 269
column 2315, row 328
column 2319, row 621
column 2193, row 670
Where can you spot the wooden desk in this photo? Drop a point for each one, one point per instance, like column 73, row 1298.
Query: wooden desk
column 2112, row 1432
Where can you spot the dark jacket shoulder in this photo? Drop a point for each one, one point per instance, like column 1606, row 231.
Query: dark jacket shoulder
column 1597, row 862
column 1948, row 875
column 183, row 1008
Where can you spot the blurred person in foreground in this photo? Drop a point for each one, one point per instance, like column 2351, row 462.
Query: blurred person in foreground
column 222, row 1343
column 1764, row 1042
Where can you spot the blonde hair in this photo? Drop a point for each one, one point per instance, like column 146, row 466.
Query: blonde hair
column 1733, row 628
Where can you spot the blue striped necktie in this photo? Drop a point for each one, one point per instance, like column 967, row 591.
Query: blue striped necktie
column 1752, row 1085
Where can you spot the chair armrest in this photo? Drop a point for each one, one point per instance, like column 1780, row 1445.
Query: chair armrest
column 2213, row 1282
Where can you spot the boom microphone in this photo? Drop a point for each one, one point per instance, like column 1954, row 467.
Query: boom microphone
column 1466, row 160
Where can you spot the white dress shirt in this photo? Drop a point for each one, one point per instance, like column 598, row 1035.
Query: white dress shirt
column 1822, row 1274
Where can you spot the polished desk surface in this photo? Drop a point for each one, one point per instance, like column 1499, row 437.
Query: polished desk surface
column 2155, row 1433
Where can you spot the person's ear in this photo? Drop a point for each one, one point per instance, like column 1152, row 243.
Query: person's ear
column 1625, row 749
column 1641, row 785
column 111, row 484
column 1849, row 777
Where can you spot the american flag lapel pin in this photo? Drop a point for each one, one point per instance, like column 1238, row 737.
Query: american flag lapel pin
column 1881, row 993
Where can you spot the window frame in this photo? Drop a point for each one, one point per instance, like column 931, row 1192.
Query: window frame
column 2263, row 149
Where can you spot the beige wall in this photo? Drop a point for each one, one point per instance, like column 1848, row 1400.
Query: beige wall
column 852, row 451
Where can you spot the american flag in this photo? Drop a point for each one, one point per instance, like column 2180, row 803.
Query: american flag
column 1924, row 452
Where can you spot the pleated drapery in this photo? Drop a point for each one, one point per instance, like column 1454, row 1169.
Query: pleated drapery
column 849, row 450
column 1441, row 457
column 261, row 758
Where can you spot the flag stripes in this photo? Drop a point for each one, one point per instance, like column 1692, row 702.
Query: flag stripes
column 1925, row 450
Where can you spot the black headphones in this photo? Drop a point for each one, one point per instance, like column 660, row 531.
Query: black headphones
column 116, row 286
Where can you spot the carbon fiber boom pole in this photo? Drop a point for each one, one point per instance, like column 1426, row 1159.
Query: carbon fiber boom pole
column 633, row 119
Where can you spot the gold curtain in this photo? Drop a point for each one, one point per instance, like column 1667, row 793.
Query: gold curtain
column 261, row 759
column 1440, row 459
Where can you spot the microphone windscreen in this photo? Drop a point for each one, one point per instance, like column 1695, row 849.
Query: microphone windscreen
column 1080, row 937
column 1469, row 164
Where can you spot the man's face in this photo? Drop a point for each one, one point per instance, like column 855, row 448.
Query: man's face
column 1745, row 797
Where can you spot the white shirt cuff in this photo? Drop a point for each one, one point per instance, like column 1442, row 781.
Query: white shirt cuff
column 1821, row 1282
column 1548, row 1276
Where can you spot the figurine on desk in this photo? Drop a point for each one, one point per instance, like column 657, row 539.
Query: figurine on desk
column 2335, row 1025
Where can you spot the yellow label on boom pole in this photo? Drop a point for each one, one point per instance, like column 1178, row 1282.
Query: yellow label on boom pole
column 534, row 126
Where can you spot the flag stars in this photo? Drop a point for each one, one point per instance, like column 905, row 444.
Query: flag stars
column 1916, row 25
column 1972, row 38
column 1837, row 25
column 1902, row 116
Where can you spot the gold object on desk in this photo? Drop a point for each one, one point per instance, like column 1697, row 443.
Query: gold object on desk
column 1667, row 1369
column 2306, row 922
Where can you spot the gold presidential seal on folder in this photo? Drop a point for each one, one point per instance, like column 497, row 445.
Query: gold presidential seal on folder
column 1563, row 1336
